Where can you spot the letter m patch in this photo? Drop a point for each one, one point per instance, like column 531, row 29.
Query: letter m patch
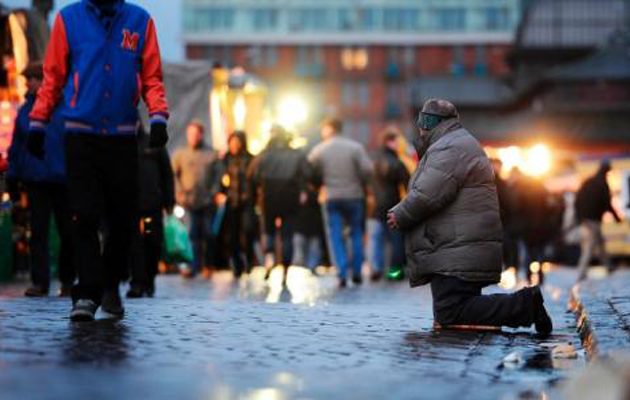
column 130, row 40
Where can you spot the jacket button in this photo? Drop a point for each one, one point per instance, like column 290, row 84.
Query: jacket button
column 103, row 131
column 107, row 95
column 108, row 67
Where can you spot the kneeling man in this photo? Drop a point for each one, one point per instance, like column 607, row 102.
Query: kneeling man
column 453, row 230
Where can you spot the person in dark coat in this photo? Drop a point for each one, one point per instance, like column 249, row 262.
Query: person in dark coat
column 235, row 192
column 592, row 201
column 281, row 173
column 44, row 182
column 389, row 180
column 452, row 228
column 156, row 196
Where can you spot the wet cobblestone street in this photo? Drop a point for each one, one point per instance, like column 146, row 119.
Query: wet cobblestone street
column 199, row 340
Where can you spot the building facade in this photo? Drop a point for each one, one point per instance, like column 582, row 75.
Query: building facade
column 355, row 59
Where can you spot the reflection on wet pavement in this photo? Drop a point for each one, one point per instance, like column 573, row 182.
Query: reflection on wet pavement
column 257, row 340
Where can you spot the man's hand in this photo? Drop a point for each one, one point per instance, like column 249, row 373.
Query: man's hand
column 158, row 136
column 303, row 198
column 35, row 143
column 391, row 221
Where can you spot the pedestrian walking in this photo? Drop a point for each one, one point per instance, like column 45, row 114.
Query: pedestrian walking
column 345, row 169
column 310, row 238
column 592, row 201
column 281, row 173
column 103, row 57
column 236, row 194
column 194, row 167
column 389, row 182
column 47, row 193
column 156, row 196
column 452, row 224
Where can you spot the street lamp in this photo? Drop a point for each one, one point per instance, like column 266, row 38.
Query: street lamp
column 292, row 111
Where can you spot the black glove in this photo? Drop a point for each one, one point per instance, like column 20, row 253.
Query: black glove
column 158, row 136
column 35, row 143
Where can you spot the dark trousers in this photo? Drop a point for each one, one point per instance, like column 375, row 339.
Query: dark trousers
column 459, row 302
column 202, row 238
column 238, row 228
column 45, row 200
column 102, row 184
column 286, row 229
column 146, row 251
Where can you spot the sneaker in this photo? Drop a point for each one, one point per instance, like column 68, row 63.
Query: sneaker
column 395, row 274
column 542, row 321
column 65, row 291
column 83, row 310
column 36, row 291
column 343, row 283
column 112, row 304
column 357, row 280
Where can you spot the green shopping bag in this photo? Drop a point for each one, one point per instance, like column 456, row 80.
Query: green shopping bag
column 177, row 246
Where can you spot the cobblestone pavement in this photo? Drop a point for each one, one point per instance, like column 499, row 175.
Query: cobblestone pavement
column 250, row 340
column 605, row 313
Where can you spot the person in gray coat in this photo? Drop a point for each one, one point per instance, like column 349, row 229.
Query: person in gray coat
column 453, row 230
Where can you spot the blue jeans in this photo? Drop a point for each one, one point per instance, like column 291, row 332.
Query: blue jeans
column 337, row 214
column 379, row 236
column 202, row 239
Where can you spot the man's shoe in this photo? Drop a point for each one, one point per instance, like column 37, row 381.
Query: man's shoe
column 112, row 304
column 376, row 276
column 36, row 291
column 65, row 291
column 357, row 280
column 542, row 321
column 343, row 283
column 135, row 293
column 83, row 310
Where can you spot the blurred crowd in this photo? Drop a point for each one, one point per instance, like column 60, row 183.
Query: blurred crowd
column 325, row 206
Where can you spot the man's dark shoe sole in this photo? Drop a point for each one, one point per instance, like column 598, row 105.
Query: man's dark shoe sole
column 542, row 320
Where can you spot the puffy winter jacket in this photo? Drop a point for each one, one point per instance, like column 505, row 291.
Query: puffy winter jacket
column 102, row 66
column 26, row 168
column 451, row 213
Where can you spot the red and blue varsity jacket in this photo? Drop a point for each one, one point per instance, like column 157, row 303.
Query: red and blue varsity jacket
column 102, row 70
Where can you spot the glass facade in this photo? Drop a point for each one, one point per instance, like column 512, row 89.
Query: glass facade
column 249, row 16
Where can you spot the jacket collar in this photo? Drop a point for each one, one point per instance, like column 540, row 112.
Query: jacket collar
column 443, row 128
column 116, row 6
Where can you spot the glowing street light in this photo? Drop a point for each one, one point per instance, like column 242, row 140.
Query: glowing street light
column 292, row 111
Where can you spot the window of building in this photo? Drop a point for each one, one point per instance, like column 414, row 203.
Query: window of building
column 400, row 19
column 457, row 65
column 254, row 54
column 309, row 19
column 450, row 19
column 409, row 55
column 346, row 20
column 367, row 18
column 220, row 54
column 264, row 19
column 481, row 61
column 271, row 56
column 215, row 19
column 354, row 58
column 497, row 18
column 347, row 94
column 363, row 94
